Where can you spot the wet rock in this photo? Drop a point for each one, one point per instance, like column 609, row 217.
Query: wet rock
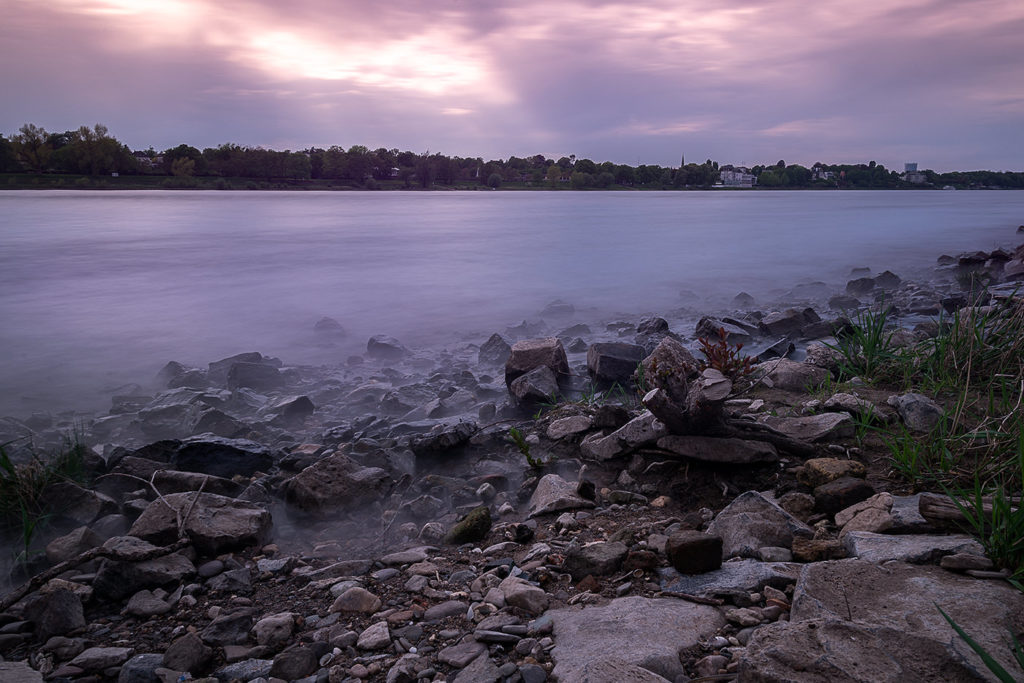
column 375, row 637
column 329, row 327
column 246, row 670
column 555, row 494
column 648, row 634
column 751, row 521
column 231, row 628
column 613, row 362
column 72, row 544
column 536, row 386
column 642, row 430
column 836, row 495
column 595, row 559
column 792, row 376
column 653, row 325
column 558, row 309
column 254, row 376
column 693, row 552
column 716, row 450
column 335, row 484
column 818, row 471
column 861, row 286
column 569, row 426
column 494, row 352
column 188, row 653
column 844, row 302
column 237, row 581
column 918, row 412
column 444, row 437
column 100, row 658
column 533, row 353
column 915, row 549
column 384, row 347
column 823, row 427
column 295, row 663
column 215, row 523
column 221, row 457
column 473, row 527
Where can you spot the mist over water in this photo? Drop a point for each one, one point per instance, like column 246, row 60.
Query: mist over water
column 99, row 289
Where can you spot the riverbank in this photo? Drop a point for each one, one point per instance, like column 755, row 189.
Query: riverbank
column 323, row 541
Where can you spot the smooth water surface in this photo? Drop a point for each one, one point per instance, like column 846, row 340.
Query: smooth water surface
column 102, row 288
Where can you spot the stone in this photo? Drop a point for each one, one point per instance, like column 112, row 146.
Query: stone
column 735, row 578
column 555, row 494
column 116, row 580
column 215, row 524
column 295, row 663
column 751, row 521
column 818, row 471
column 852, row 620
column 849, row 403
column 861, row 286
column 221, row 457
column 173, row 481
column 231, row 628
column 597, row 559
column 817, row 549
column 642, row 430
column 822, row 427
column 480, row 670
column 648, row 634
column 836, row 495
column 72, row 544
column 880, row 502
column 448, row 608
column 275, row 630
column 375, row 637
column 962, row 562
column 787, row 323
column 494, row 352
column 533, row 353
column 76, row 504
column 139, row 669
column 19, row 672
column 335, row 484
column 693, row 552
column 569, row 426
column 711, row 329
column 356, row 599
column 524, row 595
column 188, row 653
column 56, row 613
column 232, row 581
column 100, row 658
column 146, row 604
column 669, row 367
column 719, row 450
column 613, row 362
column 790, row 375
column 918, row 412
column 246, row 670
column 913, row 549
column 444, row 437
column 383, row 347
column 539, row 385
column 254, row 376
column 471, row 528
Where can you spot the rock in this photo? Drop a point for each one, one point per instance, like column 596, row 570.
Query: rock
column 471, row 528
column 823, row 427
column 290, row 410
column 817, row 549
column 751, row 521
column 329, row 327
column 642, row 430
column 524, row 595
column 494, row 352
column 777, row 349
column 215, row 524
column 595, row 559
column 72, row 544
column 735, row 578
column 221, row 457
column 555, row 494
column 793, row 376
column 669, row 367
column 275, row 630
column 539, row 385
column 76, row 504
column 444, row 437
column 335, row 484
column 788, row 323
column 868, row 515
column 247, row 670
column 100, row 658
column 918, row 412
column 569, row 426
column 852, row 620
column 861, row 286
column 383, row 347
column 254, row 376
column 218, row 370
column 295, row 663
column 818, row 471
column 849, row 403
column 836, row 495
column 375, row 637
column 188, row 653
column 401, row 557
column 138, row 669
column 237, row 581
column 719, row 450
column 146, row 604
column 356, row 599
column 693, row 552
column 558, row 309
column 965, row 562
column 648, row 634
column 231, row 628
column 614, row 362
column 116, row 580
column 533, row 353
column 460, row 655
column 712, row 328
column 1014, row 269
column 915, row 549
column 480, row 670
column 56, row 613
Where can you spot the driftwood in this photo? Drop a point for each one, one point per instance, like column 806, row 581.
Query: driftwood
column 745, row 429
column 943, row 512
column 93, row 553
column 717, row 602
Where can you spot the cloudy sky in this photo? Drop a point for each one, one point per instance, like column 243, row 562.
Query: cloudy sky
column 940, row 82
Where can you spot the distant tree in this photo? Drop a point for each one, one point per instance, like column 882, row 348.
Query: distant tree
column 183, row 167
column 625, row 175
column 579, row 181
column 8, row 159
column 604, row 180
column 494, row 181
column 554, row 174
column 565, row 163
column 184, row 151
column 32, row 148
column 425, row 170
column 585, row 166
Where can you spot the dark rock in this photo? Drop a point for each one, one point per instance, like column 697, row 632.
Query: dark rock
column 384, row 347
column 558, row 309
column 860, row 286
column 72, row 544
column 652, row 326
column 595, row 559
column 494, row 352
column 216, row 523
column 221, row 457
column 188, row 653
column 613, row 362
column 843, row 302
column 141, row 669
column 335, row 483
column 254, row 376
column 536, row 386
column 229, row 629
column 116, row 580
column 669, row 367
column 751, row 522
column 444, row 437
column 329, row 327
column 79, row 505
column 711, row 329
column 294, row 663
column 887, row 280
column 533, row 353
column 235, row 581
column 841, row 493
column 719, row 450
column 693, row 552
column 56, row 613
column 473, row 527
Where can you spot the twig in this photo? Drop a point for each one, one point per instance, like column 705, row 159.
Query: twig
column 694, row 598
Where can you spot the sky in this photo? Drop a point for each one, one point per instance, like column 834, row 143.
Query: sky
column 937, row 82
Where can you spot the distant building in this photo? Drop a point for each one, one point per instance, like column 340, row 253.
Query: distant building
column 737, row 178
column 915, row 177
column 910, row 167
column 819, row 173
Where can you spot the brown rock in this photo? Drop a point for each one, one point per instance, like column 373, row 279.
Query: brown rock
column 693, row 552
column 532, row 353
column 818, row 471
column 817, row 550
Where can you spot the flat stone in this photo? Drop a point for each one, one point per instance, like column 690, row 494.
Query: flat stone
column 914, row 549
column 823, row 427
column 726, row 451
column 215, row 524
column 356, row 599
column 411, row 556
column 569, row 426
column 735, row 578
column 818, row 471
column 918, row 412
column 751, row 521
column 790, row 375
column 376, row 637
column 462, row 654
column 595, row 559
column 19, row 672
column 146, row 604
column 100, row 658
column 449, row 608
column 524, row 595
column 555, row 494
column 480, row 670
column 636, row 631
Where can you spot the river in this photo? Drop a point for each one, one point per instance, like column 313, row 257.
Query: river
column 98, row 289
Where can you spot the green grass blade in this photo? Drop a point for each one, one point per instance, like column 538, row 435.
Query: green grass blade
column 993, row 666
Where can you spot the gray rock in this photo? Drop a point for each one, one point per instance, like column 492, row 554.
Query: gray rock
column 918, row 412
column 669, row 367
column 55, row 613
column 116, row 580
column 533, row 353
column 71, row 544
column 232, row 581
column 19, row 672
column 823, row 427
column 221, row 457
column 254, row 376
column 555, row 494
column 245, row 670
column 188, row 653
column 462, row 654
column 471, row 528
column 524, row 595
column 356, row 599
column 275, row 630
column 229, row 629
column 719, row 450
column 449, row 608
column 635, row 631
column 788, row 323
column 569, row 426
column 375, row 637
column 173, row 481
column 792, row 376
column 480, row 670
column 100, row 658
column 536, row 386
column 915, row 549
column 837, row 495
column 710, row 328
column 138, row 669
column 217, row 371
column 751, row 521
column 294, row 663
column 613, row 362
column 494, row 352
column 79, row 505
column 335, row 484
column 401, row 557
column 734, row 579
column 444, row 437
column 216, row 523
column 384, row 347
column 146, row 604
column 598, row 559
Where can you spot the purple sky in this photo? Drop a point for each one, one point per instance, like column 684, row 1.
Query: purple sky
column 940, row 82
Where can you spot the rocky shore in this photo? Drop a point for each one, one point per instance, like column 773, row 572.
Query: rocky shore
column 564, row 501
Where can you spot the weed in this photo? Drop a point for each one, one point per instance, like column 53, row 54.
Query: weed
column 724, row 357
column 990, row 661
column 866, row 345
column 524, row 447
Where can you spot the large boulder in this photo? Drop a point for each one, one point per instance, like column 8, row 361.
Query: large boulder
column 751, row 522
column 335, row 484
column 791, row 375
column 256, row 376
column 668, row 367
column 221, row 457
column 494, row 352
column 613, row 362
column 215, row 524
column 536, row 386
column 555, row 494
column 218, row 370
column 533, row 353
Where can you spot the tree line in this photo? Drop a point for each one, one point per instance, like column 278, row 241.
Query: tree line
column 95, row 152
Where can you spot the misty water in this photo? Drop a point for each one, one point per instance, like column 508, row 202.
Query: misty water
column 100, row 289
